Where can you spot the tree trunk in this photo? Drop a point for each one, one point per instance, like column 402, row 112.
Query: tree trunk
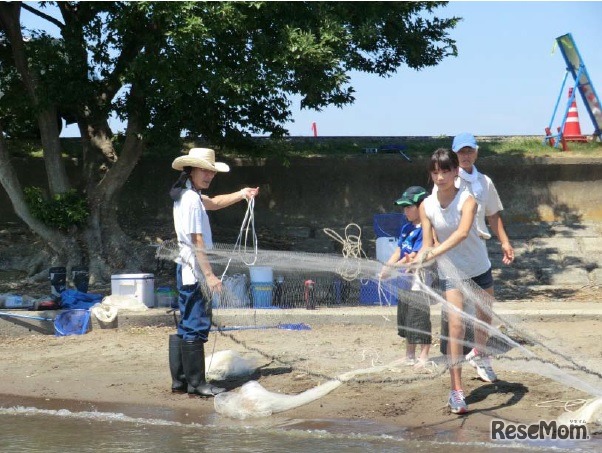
column 107, row 244
column 55, row 169
column 64, row 246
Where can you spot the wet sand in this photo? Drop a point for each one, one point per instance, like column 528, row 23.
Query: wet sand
column 125, row 370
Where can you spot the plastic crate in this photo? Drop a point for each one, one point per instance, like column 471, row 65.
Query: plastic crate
column 261, row 294
column 388, row 224
column 369, row 291
column 369, row 294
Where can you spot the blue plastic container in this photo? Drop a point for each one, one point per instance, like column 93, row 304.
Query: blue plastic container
column 389, row 224
column 369, row 294
column 261, row 294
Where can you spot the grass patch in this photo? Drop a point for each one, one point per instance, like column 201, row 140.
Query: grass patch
column 414, row 147
column 285, row 148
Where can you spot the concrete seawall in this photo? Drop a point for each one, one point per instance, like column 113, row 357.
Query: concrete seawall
column 317, row 192
column 334, row 191
column 553, row 209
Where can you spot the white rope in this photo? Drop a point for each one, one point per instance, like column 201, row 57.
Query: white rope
column 248, row 222
column 352, row 249
column 566, row 405
column 240, row 247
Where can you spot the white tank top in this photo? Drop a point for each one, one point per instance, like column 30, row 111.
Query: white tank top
column 469, row 257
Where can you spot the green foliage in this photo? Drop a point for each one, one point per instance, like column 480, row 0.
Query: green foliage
column 62, row 211
column 218, row 71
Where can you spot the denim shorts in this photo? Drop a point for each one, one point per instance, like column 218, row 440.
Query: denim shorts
column 484, row 281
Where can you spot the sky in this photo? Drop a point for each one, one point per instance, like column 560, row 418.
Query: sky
column 505, row 80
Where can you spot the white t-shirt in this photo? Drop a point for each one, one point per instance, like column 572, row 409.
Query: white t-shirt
column 488, row 201
column 190, row 216
column 469, row 257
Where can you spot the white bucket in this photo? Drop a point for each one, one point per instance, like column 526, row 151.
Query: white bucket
column 261, row 274
column 385, row 246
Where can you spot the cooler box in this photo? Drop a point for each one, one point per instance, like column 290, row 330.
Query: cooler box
column 140, row 286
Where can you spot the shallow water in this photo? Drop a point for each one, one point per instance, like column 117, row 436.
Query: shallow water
column 27, row 429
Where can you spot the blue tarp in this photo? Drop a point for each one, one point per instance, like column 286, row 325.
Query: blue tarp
column 71, row 298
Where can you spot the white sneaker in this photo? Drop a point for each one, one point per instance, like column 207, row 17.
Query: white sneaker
column 456, row 402
column 482, row 365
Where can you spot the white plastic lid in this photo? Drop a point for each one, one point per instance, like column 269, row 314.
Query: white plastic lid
column 131, row 276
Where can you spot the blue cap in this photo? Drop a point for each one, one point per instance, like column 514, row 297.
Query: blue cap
column 462, row 140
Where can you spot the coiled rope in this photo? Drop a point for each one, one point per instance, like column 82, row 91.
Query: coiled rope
column 352, row 251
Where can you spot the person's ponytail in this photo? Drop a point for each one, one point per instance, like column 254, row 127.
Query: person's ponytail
column 180, row 185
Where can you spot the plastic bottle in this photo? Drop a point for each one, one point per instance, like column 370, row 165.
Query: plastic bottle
column 16, row 301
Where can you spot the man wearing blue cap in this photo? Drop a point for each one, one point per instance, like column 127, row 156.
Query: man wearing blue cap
column 489, row 207
column 482, row 188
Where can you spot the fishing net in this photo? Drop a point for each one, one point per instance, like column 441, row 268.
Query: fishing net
column 66, row 322
column 346, row 285
column 72, row 322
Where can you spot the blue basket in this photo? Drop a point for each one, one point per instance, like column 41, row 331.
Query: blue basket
column 389, row 224
column 370, row 295
column 72, row 322
column 261, row 294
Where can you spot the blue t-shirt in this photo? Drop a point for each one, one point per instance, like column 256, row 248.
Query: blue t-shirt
column 410, row 239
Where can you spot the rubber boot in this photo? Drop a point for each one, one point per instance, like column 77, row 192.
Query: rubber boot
column 193, row 359
column 58, row 281
column 178, row 379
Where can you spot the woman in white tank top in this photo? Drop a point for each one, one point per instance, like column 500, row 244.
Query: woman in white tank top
column 451, row 214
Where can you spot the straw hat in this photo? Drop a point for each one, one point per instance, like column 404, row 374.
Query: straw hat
column 200, row 158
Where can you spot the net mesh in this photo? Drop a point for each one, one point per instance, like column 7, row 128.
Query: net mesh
column 347, row 283
column 72, row 322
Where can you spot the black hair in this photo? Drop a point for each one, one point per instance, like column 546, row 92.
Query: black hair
column 443, row 159
column 180, row 185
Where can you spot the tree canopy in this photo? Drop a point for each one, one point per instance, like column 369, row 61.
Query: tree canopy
column 219, row 68
column 213, row 70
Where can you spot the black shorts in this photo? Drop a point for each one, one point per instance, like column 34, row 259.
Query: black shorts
column 484, row 281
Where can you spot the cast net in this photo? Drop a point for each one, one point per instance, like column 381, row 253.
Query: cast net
column 287, row 307
column 72, row 322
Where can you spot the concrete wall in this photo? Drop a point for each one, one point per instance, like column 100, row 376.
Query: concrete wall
column 314, row 193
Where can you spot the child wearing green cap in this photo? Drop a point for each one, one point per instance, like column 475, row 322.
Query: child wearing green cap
column 413, row 317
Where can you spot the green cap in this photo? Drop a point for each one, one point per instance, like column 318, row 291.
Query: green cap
column 412, row 195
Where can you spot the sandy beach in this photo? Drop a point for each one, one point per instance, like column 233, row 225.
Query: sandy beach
column 126, row 370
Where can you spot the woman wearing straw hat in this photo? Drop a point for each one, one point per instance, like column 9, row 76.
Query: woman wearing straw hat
column 194, row 275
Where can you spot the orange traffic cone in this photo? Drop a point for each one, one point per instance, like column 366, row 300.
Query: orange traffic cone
column 572, row 130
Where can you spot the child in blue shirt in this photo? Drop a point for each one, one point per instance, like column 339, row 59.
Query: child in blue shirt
column 413, row 317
